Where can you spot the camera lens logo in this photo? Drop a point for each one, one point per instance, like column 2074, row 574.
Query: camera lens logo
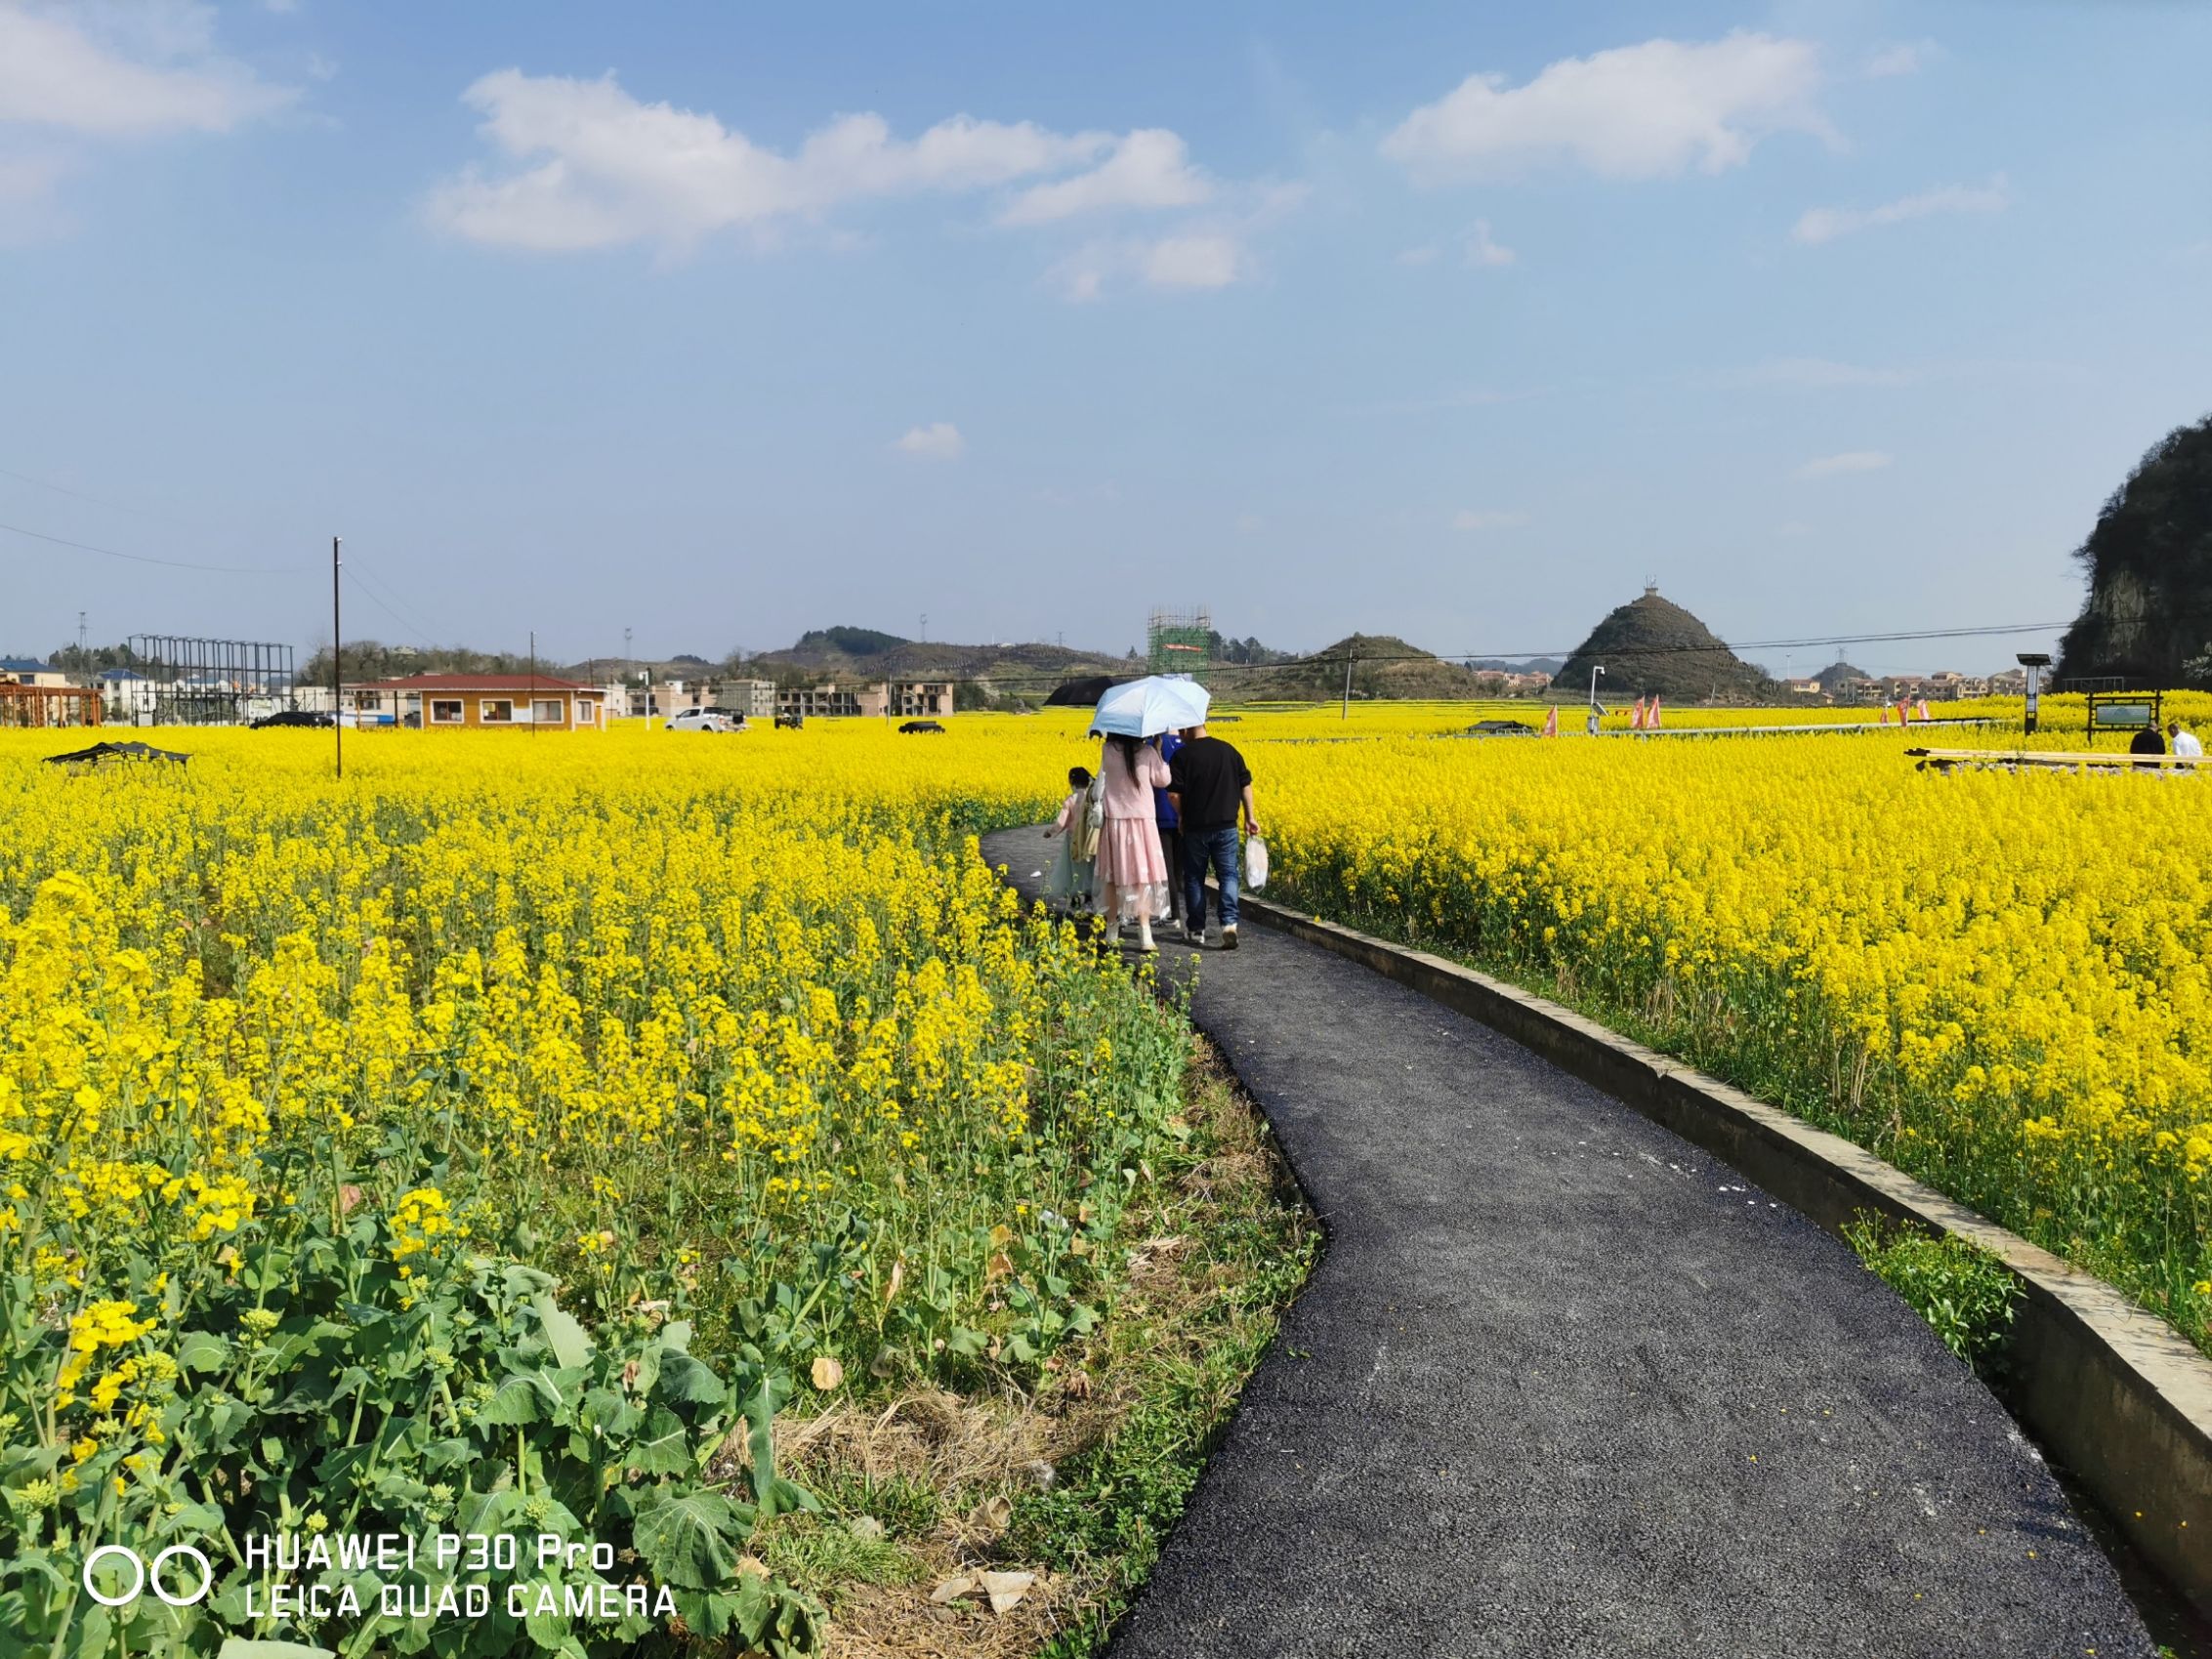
column 142, row 1575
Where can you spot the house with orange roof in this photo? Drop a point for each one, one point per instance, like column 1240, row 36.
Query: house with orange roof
column 479, row 702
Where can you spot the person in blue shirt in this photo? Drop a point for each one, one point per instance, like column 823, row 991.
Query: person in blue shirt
column 1171, row 829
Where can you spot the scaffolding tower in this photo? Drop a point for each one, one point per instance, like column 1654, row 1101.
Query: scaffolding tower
column 184, row 681
column 1181, row 641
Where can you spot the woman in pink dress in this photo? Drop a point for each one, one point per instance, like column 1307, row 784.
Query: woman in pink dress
column 1132, row 873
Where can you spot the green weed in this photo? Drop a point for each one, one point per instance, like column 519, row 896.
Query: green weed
column 1963, row 1290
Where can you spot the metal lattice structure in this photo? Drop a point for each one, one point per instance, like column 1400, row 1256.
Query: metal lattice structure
column 187, row 681
column 1181, row 641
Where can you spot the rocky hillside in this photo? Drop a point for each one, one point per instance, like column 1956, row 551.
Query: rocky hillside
column 2149, row 614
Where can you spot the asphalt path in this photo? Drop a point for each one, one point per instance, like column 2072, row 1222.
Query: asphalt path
column 1563, row 1385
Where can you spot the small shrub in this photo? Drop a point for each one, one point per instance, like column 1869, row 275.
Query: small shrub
column 1963, row 1290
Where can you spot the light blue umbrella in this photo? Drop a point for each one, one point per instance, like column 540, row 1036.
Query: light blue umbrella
column 1158, row 702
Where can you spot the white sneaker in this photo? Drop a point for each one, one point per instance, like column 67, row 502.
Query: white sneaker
column 1196, row 935
column 1229, row 938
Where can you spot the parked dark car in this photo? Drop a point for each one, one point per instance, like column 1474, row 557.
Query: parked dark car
column 790, row 721
column 297, row 716
column 920, row 725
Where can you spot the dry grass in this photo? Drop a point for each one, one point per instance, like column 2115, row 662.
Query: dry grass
column 961, row 1463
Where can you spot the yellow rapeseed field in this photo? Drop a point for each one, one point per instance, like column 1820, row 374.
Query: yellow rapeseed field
column 736, row 1038
column 302, row 1082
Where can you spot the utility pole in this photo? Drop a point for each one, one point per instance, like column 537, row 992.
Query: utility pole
column 81, row 664
column 533, row 681
column 925, row 627
column 1347, row 661
column 1595, row 671
column 337, row 636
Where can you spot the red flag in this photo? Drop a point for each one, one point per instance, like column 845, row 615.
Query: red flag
column 1904, row 712
column 1635, row 716
column 1652, row 714
column 1552, row 721
column 1920, row 710
column 1882, row 718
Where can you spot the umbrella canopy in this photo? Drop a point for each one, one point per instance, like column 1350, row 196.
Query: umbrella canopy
column 1082, row 694
column 1158, row 702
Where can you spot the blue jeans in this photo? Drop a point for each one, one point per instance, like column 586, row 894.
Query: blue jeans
column 1219, row 846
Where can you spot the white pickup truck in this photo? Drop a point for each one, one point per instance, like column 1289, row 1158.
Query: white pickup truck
column 705, row 720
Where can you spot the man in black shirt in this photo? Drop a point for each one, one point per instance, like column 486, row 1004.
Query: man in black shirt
column 1211, row 783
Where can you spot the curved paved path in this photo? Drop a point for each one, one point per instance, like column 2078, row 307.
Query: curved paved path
column 1563, row 1386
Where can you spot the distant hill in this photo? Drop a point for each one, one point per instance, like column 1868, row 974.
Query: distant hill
column 1838, row 672
column 1652, row 644
column 1382, row 666
column 853, row 642
column 1512, row 665
column 993, row 674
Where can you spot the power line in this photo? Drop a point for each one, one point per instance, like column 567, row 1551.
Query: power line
column 378, row 594
column 148, row 558
column 82, row 496
column 369, row 593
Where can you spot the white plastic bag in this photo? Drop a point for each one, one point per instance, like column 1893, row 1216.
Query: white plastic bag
column 1255, row 863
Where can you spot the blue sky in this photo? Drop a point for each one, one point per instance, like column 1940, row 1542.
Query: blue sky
column 1453, row 322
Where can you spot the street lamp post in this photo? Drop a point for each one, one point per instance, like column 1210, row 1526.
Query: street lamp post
column 1596, row 669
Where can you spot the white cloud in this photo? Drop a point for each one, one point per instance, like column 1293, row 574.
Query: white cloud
column 1200, row 260
column 125, row 72
column 1147, row 169
column 1481, row 250
column 583, row 164
column 940, row 440
column 1851, row 461
column 1419, row 256
column 1633, row 113
column 1194, row 262
column 1486, row 518
column 1905, row 58
column 1825, row 223
column 1813, row 374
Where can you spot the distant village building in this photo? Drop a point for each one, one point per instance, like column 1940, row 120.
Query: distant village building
column 903, row 699
column 492, row 702
column 127, row 695
column 755, row 699
column 27, row 671
column 827, row 700
column 897, row 699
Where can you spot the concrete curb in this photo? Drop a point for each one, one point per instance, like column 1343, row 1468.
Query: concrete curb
column 2121, row 1401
